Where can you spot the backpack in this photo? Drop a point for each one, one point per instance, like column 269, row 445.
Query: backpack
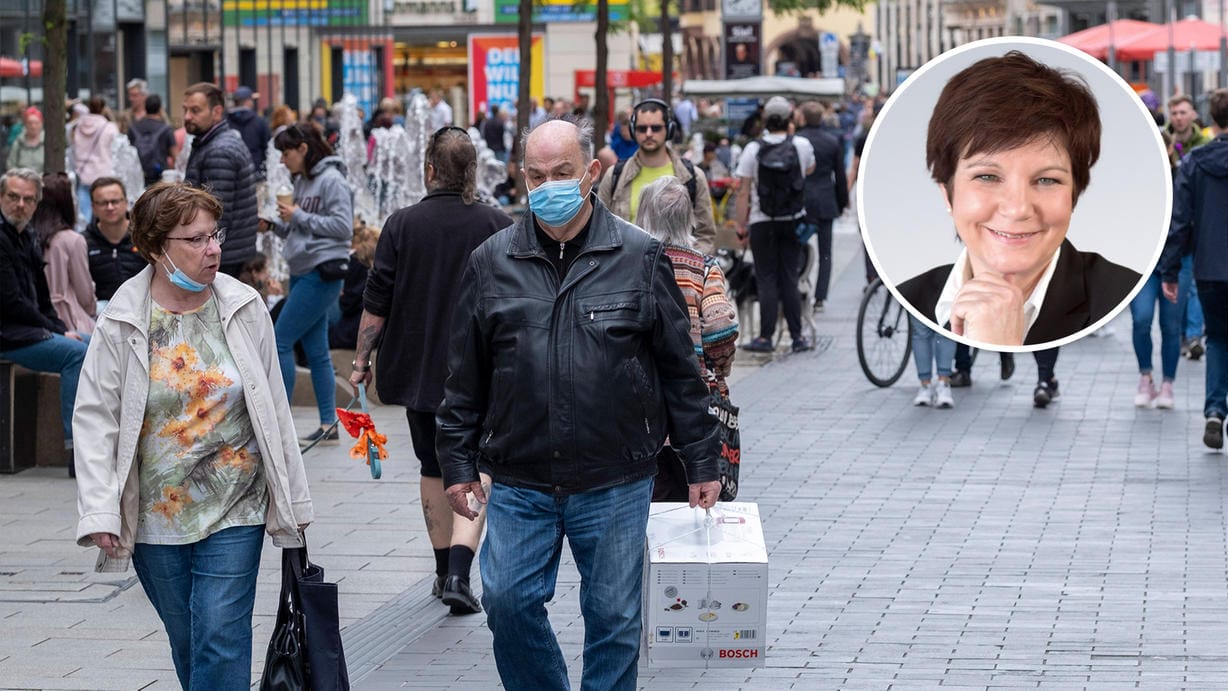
column 690, row 184
column 146, row 142
column 781, row 183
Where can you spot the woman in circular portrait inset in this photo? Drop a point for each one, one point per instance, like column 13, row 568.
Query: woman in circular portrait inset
column 1011, row 143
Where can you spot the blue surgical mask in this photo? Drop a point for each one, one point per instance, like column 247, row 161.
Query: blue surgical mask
column 181, row 280
column 556, row 202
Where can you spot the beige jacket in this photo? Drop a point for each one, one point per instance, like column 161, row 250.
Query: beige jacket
column 111, row 409
column 703, row 227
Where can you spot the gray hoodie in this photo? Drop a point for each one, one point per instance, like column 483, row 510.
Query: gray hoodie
column 322, row 227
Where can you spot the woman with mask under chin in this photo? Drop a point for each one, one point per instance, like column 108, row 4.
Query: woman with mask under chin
column 187, row 452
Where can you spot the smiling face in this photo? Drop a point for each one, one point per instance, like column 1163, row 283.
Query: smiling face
column 1012, row 209
column 200, row 264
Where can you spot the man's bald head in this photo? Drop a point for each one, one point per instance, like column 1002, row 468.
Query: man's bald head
column 566, row 131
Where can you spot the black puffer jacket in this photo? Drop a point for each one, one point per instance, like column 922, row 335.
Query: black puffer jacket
column 221, row 164
column 111, row 265
column 573, row 387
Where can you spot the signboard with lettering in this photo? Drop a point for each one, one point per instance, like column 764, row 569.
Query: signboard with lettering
column 743, row 57
column 494, row 70
column 508, row 11
column 294, row 12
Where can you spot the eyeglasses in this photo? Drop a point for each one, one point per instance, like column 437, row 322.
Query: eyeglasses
column 645, row 129
column 198, row 242
column 109, row 202
column 20, row 199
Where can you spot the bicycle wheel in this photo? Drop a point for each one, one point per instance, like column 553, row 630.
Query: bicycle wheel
column 884, row 336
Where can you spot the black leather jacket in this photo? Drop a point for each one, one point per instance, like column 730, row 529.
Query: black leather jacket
column 573, row 387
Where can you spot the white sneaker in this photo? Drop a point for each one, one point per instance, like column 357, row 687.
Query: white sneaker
column 1146, row 391
column 925, row 395
column 1165, row 399
column 942, row 395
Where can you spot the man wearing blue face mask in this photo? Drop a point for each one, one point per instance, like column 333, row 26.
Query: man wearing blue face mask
column 571, row 361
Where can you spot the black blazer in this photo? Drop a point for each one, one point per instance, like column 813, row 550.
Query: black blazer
column 1084, row 288
column 826, row 191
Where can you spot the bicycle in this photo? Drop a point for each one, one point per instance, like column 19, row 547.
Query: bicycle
column 884, row 335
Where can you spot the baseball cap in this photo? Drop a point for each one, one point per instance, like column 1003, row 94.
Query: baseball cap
column 778, row 106
column 243, row 93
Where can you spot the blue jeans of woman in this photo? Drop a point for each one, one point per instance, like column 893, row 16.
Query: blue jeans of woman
column 928, row 347
column 305, row 319
column 56, row 354
column 520, row 564
column 85, row 205
column 204, row 593
column 1142, row 311
column 1188, row 302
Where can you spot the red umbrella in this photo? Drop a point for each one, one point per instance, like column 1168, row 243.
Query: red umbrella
column 1187, row 34
column 12, row 68
column 1095, row 40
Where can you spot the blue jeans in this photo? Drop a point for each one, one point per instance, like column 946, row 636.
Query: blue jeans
column 1187, row 300
column 204, row 593
column 520, row 563
column 1142, row 311
column 305, row 318
column 1214, row 296
column 56, row 354
column 929, row 346
column 85, row 205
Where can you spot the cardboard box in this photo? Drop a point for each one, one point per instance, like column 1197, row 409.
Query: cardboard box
column 705, row 586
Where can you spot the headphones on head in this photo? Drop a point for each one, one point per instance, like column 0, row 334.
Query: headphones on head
column 670, row 120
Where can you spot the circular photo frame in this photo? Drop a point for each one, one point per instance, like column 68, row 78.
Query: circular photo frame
column 1024, row 248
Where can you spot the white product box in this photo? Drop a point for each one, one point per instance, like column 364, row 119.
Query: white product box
column 705, row 586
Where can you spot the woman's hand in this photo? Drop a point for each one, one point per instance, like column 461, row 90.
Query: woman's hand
column 285, row 211
column 990, row 310
column 109, row 542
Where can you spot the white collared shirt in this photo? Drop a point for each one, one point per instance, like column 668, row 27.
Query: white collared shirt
column 962, row 271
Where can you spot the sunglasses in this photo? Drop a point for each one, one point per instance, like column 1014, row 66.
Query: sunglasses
column 645, row 129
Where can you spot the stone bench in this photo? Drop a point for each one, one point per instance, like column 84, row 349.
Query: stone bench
column 30, row 429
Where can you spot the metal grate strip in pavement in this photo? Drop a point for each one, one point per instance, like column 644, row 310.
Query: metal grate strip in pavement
column 370, row 641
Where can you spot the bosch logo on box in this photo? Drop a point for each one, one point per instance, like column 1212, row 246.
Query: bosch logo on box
column 739, row 652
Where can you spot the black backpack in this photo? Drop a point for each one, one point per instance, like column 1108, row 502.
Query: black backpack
column 146, row 140
column 781, row 183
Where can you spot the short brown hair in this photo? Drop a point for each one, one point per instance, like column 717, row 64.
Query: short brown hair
column 1006, row 102
column 812, row 112
column 107, row 182
column 1218, row 105
column 212, row 94
column 164, row 206
column 1182, row 98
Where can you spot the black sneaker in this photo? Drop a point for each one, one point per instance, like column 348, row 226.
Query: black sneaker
column 456, row 594
column 1045, row 393
column 1007, row 366
column 1196, row 349
column 801, row 345
column 759, row 345
column 1213, row 436
column 321, row 437
column 960, row 380
column 437, row 586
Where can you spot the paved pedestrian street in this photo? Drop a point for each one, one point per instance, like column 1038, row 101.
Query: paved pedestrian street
column 990, row 546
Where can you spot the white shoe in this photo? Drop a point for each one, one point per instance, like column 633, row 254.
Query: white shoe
column 1146, row 391
column 1165, row 399
column 942, row 395
column 925, row 395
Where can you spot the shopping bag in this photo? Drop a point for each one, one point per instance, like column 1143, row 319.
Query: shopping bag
column 307, row 652
column 730, row 461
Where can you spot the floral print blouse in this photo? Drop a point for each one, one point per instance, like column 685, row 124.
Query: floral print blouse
column 200, row 469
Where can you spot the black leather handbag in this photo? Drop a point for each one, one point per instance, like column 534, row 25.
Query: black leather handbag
column 305, row 651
